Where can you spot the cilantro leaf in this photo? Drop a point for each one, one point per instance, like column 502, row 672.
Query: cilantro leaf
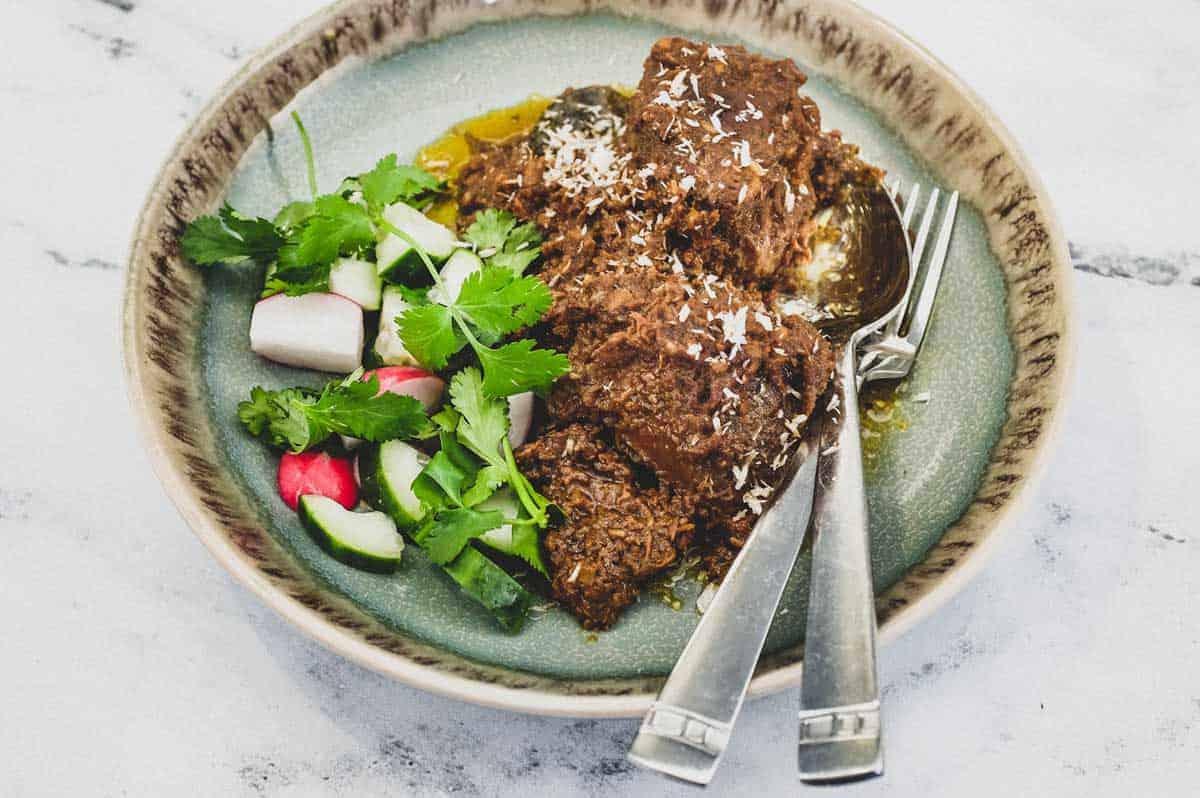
column 440, row 483
column 516, row 262
column 281, row 418
column 521, row 248
column 489, row 478
column 484, row 423
column 257, row 412
column 524, row 543
column 449, row 532
column 446, row 419
column 415, row 297
column 206, row 241
column 230, row 237
column 497, row 302
column 429, row 334
column 317, row 282
column 358, row 408
column 389, row 182
column 337, row 227
column 501, row 242
column 490, row 229
column 518, row 367
column 294, row 214
column 297, row 419
column 522, row 237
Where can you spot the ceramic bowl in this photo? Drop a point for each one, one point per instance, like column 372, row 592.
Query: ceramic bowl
column 377, row 77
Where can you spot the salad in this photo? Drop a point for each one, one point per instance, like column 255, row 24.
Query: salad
column 414, row 437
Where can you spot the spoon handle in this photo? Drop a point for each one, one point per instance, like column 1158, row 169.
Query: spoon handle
column 685, row 731
column 839, row 694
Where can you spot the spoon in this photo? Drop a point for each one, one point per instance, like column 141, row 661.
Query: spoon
column 839, row 693
column 686, row 729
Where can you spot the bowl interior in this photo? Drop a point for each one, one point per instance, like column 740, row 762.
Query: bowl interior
column 929, row 463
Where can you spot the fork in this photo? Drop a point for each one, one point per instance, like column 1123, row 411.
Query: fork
column 890, row 353
column 840, row 729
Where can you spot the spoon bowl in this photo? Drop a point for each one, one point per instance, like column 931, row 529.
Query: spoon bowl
column 876, row 246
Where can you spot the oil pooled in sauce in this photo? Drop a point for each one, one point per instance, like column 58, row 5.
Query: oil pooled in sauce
column 446, row 156
column 881, row 406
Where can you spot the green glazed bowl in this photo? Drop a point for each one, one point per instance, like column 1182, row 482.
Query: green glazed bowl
column 371, row 78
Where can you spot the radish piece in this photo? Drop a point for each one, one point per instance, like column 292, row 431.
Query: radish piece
column 388, row 346
column 420, row 384
column 316, row 331
column 520, row 417
column 319, row 474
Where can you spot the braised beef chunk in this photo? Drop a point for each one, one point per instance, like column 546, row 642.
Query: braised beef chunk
column 676, row 221
column 619, row 534
column 732, row 135
column 706, row 385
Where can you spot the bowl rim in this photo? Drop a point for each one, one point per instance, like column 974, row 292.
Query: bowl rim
column 532, row 700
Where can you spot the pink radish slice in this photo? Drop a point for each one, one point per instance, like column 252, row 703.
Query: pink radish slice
column 318, row 473
column 317, row 331
column 520, row 417
column 420, row 384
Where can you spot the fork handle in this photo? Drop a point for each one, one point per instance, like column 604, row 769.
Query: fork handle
column 685, row 732
column 839, row 694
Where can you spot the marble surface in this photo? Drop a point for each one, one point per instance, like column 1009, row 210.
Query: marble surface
column 134, row 665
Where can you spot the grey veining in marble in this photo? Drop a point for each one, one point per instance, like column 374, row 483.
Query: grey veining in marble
column 134, row 666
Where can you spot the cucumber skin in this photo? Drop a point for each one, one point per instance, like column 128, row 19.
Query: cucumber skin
column 476, row 575
column 347, row 556
column 405, row 269
column 377, row 493
column 491, row 586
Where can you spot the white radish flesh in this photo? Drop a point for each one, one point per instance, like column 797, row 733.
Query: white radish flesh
column 316, row 331
column 388, row 345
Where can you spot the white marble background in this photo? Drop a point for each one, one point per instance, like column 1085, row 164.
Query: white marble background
column 132, row 665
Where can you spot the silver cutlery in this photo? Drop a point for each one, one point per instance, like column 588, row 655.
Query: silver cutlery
column 685, row 732
column 840, row 728
column 890, row 353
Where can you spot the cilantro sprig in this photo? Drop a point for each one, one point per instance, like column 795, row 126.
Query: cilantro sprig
column 475, row 461
column 230, row 237
column 305, row 237
column 492, row 303
column 500, row 241
column 299, row 419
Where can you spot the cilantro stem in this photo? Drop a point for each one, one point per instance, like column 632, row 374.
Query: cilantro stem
column 310, row 164
column 537, row 513
column 437, row 279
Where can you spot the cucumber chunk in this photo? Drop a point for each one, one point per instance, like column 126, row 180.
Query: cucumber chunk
column 356, row 280
column 395, row 258
column 387, row 472
column 368, row 541
column 491, row 586
column 521, row 541
column 462, row 264
column 389, row 349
